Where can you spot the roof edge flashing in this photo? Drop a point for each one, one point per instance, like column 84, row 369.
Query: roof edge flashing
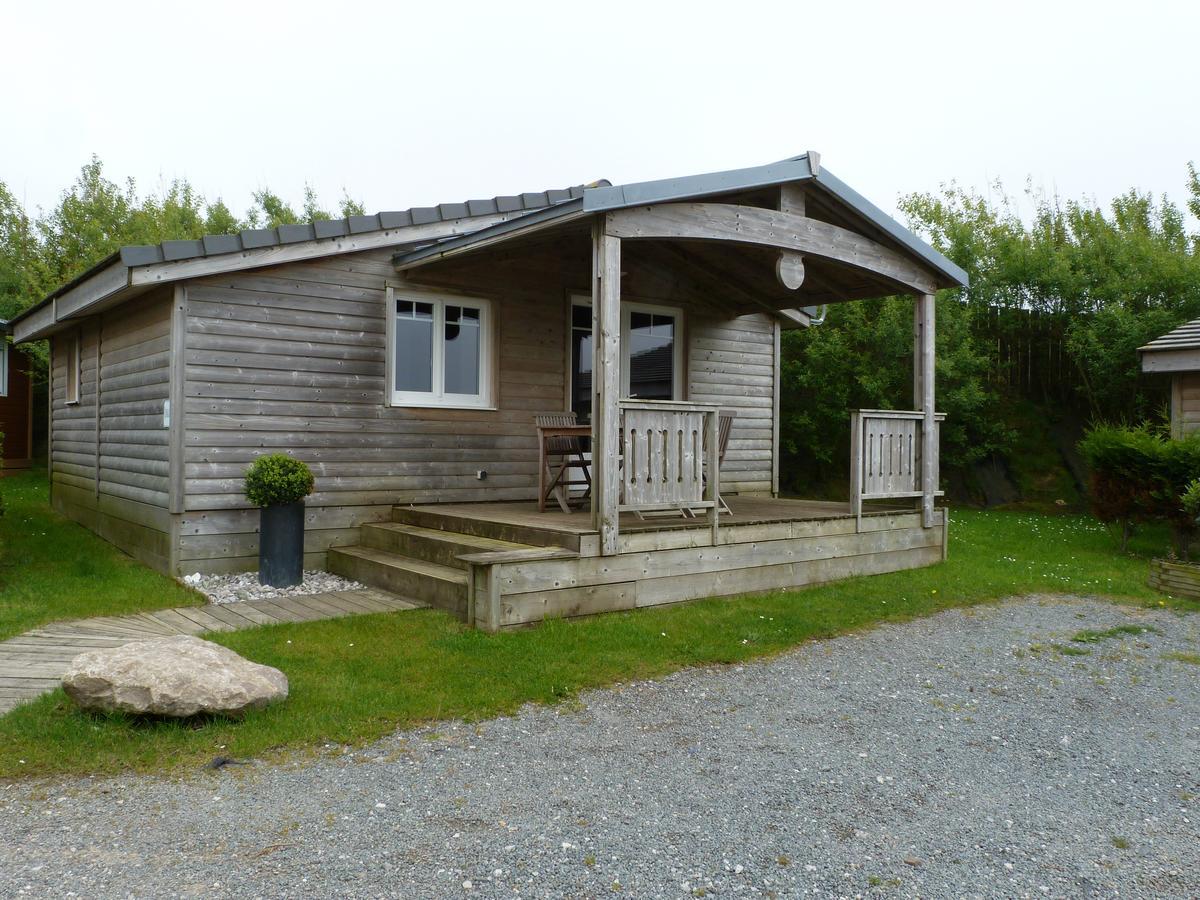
column 897, row 232
column 602, row 199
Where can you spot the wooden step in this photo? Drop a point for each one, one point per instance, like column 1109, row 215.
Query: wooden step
column 443, row 587
column 430, row 544
column 463, row 523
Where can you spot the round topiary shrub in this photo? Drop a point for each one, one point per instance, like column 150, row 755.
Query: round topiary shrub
column 277, row 479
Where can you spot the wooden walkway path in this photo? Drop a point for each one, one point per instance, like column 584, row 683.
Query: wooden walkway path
column 33, row 663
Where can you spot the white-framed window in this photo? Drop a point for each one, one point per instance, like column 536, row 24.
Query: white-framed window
column 3, row 366
column 651, row 353
column 74, row 367
column 439, row 350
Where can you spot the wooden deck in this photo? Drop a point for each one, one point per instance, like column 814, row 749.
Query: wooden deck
column 553, row 565
column 33, row 663
column 744, row 511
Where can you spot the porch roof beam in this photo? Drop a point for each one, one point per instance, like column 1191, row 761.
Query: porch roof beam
column 770, row 228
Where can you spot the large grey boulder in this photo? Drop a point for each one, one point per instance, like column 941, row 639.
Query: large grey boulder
column 175, row 676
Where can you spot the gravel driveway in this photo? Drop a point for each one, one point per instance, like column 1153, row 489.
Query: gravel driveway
column 960, row 755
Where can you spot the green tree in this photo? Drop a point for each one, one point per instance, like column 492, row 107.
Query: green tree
column 96, row 216
column 19, row 262
column 1106, row 280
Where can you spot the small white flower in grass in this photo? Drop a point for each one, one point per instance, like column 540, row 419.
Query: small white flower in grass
column 663, row 633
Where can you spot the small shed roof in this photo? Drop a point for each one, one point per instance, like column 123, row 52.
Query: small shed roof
column 1185, row 337
column 1176, row 351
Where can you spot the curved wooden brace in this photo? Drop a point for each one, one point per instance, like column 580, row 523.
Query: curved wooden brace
column 769, row 228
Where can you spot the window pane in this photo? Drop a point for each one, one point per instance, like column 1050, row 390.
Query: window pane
column 581, row 374
column 414, row 346
column 651, row 356
column 462, row 350
column 581, row 316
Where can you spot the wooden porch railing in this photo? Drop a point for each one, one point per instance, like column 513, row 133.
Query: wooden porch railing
column 669, row 457
column 885, row 456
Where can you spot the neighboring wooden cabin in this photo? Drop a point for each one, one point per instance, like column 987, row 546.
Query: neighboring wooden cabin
column 1178, row 354
column 16, row 405
column 404, row 356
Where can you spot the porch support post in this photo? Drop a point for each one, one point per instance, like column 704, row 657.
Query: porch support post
column 923, row 390
column 606, row 384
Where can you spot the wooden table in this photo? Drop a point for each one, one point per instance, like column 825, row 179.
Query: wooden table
column 552, row 481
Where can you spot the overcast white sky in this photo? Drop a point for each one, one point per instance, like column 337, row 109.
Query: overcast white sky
column 408, row 106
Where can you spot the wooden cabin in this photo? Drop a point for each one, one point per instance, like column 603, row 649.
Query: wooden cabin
column 16, row 405
column 405, row 355
column 1177, row 353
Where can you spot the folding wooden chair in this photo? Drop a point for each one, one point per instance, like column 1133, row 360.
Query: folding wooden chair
column 724, row 427
column 560, row 450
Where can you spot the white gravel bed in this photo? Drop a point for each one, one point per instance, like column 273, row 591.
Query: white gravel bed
column 962, row 755
column 246, row 586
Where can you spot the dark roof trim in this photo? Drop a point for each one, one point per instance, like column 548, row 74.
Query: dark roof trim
column 133, row 257
column 606, row 199
column 692, row 186
column 890, row 226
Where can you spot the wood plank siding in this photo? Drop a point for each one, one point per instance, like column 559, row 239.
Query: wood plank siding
column 292, row 358
column 110, row 472
column 733, row 363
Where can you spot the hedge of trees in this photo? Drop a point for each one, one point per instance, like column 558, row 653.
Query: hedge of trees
column 1100, row 281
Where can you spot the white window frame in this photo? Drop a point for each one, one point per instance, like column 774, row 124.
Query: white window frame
column 627, row 309
column 74, row 386
column 437, row 397
column 3, row 366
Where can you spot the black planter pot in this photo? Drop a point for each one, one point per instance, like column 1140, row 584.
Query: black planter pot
column 281, row 544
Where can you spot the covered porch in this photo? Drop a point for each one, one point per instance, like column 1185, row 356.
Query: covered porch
column 675, row 294
column 773, row 243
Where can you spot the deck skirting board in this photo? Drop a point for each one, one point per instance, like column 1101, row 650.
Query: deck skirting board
column 532, row 591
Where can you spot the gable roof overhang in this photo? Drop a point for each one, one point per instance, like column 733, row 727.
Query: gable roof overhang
column 892, row 238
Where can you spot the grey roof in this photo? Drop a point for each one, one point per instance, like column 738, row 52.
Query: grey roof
column 1185, row 337
column 215, row 245
column 806, row 167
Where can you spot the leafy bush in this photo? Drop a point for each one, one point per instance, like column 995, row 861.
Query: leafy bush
column 278, row 479
column 1191, row 499
column 1140, row 475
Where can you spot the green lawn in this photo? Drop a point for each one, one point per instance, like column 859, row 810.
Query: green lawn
column 51, row 568
column 358, row 678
